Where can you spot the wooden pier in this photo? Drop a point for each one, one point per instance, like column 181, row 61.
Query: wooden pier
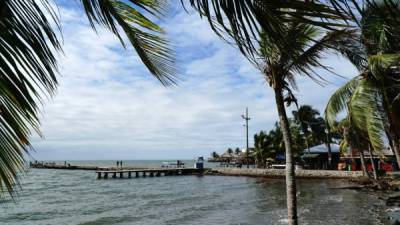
column 157, row 172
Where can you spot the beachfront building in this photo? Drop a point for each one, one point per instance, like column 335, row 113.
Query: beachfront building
column 317, row 157
column 384, row 162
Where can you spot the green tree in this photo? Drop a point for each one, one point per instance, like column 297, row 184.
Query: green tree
column 281, row 62
column 229, row 151
column 371, row 97
column 237, row 151
column 262, row 148
column 214, row 155
column 243, row 22
column 353, row 139
column 28, row 64
column 311, row 124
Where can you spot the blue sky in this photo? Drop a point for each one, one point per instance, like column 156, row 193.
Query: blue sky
column 109, row 107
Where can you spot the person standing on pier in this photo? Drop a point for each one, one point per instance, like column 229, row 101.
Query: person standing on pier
column 120, row 164
column 117, row 164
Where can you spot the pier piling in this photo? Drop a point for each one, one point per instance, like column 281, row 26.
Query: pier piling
column 157, row 172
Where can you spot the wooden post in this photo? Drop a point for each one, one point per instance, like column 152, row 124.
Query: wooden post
column 137, row 174
column 158, row 174
column 105, row 175
column 121, row 175
column 114, row 175
column 151, row 174
column 144, row 174
column 129, row 174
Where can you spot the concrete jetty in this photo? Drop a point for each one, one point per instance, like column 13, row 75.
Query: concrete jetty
column 156, row 172
column 68, row 166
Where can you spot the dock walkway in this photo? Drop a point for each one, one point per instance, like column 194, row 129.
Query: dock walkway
column 156, row 172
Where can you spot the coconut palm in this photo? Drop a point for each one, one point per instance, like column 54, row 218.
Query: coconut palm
column 353, row 139
column 237, row 151
column 371, row 97
column 280, row 64
column 214, row 155
column 262, row 148
column 305, row 116
column 28, row 65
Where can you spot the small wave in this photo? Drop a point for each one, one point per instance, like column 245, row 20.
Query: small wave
column 393, row 209
column 284, row 221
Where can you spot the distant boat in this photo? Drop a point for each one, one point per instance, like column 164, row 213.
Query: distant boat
column 177, row 164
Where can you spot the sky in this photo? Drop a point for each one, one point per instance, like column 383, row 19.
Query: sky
column 108, row 106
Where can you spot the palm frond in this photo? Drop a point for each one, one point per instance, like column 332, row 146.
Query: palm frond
column 27, row 73
column 244, row 21
column 309, row 58
column 364, row 113
column 146, row 37
column 339, row 100
column 351, row 47
column 380, row 63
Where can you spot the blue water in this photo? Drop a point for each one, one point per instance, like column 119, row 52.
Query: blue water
column 77, row 197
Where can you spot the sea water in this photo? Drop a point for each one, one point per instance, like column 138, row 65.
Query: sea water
column 77, row 197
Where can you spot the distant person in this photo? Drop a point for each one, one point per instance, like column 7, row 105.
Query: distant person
column 117, row 164
column 65, row 163
column 120, row 163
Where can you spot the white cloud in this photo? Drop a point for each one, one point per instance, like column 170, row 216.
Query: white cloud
column 108, row 106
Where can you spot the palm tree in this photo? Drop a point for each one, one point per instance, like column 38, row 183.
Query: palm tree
column 28, row 65
column 262, row 144
column 214, row 155
column 237, row 151
column 229, row 151
column 371, row 97
column 305, row 115
column 299, row 54
column 353, row 139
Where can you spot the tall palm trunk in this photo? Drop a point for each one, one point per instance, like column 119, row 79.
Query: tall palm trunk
column 393, row 131
column 290, row 173
column 396, row 149
column 363, row 164
column 371, row 157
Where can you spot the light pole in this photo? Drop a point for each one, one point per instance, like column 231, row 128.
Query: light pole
column 247, row 118
column 328, row 143
column 304, row 134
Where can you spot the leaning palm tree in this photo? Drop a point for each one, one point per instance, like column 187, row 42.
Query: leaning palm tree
column 28, row 64
column 297, row 54
column 371, row 97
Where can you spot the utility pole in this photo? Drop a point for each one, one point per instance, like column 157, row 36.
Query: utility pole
column 247, row 118
column 328, row 143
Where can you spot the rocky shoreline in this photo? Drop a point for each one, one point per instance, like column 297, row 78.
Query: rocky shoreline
column 280, row 173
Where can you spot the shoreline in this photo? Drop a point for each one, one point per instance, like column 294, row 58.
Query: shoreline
column 280, row 173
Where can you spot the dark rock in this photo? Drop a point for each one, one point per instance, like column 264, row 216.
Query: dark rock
column 393, row 200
